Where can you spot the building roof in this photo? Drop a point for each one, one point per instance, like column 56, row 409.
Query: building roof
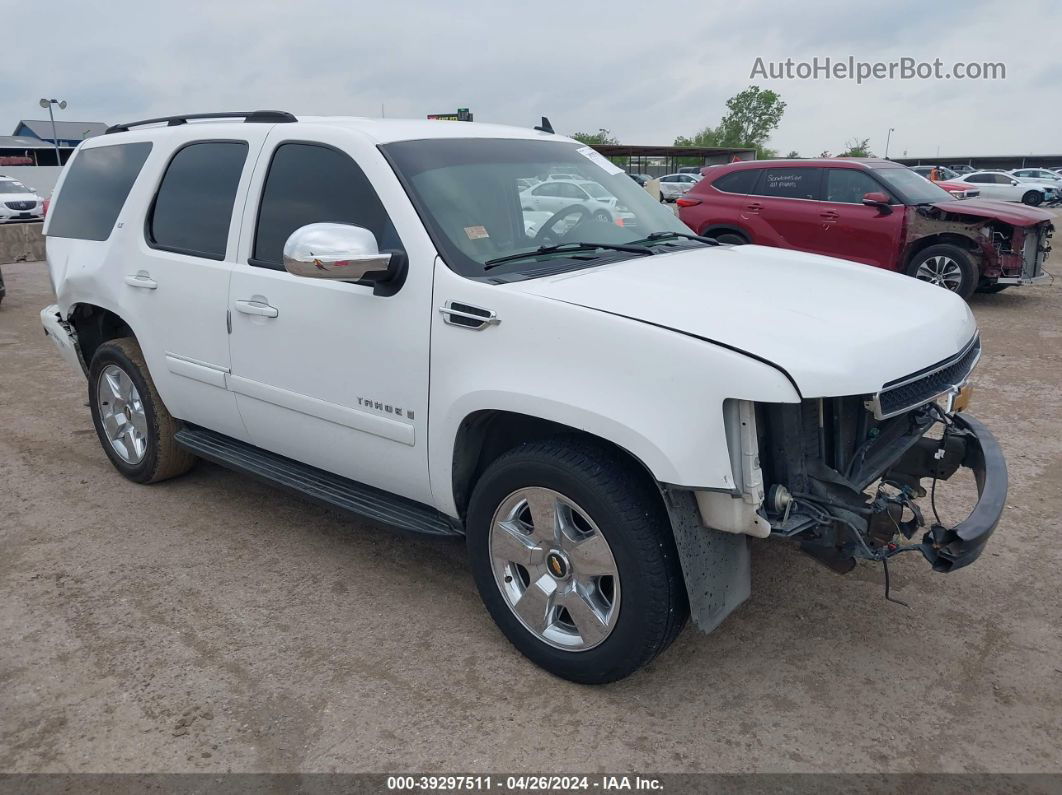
column 65, row 130
column 24, row 142
column 631, row 150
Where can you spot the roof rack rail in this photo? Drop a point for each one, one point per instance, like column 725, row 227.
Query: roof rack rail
column 249, row 117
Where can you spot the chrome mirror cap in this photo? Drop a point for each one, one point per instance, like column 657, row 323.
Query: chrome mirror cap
column 334, row 251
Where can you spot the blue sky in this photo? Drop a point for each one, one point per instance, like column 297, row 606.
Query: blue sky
column 646, row 71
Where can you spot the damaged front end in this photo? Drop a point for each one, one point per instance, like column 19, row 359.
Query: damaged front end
column 843, row 475
column 1009, row 251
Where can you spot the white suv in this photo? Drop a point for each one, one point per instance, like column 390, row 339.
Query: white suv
column 355, row 310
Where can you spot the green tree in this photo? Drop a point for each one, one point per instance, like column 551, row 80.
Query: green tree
column 857, row 147
column 751, row 117
column 793, row 155
column 602, row 136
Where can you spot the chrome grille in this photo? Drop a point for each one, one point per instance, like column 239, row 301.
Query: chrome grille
column 917, row 389
column 21, row 206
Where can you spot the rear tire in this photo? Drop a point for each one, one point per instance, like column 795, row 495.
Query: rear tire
column 132, row 423
column 946, row 266
column 600, row 498
column 1033, row 198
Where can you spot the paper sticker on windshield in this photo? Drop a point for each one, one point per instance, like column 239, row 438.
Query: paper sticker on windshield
column 598, row 158
column 476, row 232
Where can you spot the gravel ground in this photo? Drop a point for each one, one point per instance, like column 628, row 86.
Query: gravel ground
column 210, row 624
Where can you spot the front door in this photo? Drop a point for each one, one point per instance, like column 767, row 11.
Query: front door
column 326, row 372
column 850, row 229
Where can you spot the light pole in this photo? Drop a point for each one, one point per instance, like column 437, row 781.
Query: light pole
column 888, row 137
column 47, row 103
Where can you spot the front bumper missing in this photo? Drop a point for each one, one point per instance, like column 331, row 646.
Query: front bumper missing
column 948, row 549
column 63, row 337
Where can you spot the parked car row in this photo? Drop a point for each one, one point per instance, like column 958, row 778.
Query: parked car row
column 1028, row 186
column 876, row 212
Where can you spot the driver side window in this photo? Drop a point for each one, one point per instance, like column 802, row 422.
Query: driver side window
column 309, row 184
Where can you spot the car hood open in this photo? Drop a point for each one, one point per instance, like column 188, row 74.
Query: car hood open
column 834, row 327
column 1009, row 212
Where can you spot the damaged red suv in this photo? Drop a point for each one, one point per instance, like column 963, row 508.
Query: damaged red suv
column 875, row 212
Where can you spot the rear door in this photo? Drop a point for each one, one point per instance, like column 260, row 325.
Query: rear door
column 783, row 208
column 853, row 231
column 176, row 287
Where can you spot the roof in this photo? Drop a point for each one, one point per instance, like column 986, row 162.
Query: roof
column 633, row 150
column 379, row 130
column 24, row 142
column 866, row 162
column 64, row 130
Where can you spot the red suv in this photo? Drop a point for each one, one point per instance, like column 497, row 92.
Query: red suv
column 872, row 211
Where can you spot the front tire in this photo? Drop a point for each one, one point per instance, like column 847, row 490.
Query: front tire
column 1032, row 198
column 132, row 423
column 573, row 556
column 945, row 266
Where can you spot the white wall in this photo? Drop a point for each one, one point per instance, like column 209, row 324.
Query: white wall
column 41, row 178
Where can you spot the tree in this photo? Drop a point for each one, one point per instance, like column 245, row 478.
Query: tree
column 751, row 117
column 602, row 136
column 793, row 155
column 857, row 147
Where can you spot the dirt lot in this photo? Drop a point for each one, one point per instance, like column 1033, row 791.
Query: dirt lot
column 209, row 624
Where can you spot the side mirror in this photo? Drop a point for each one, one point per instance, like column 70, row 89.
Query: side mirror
column 336, row 251
column 1014, row 182
column 879, row 200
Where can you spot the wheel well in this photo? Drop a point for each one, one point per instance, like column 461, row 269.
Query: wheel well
column 719, row 229
column 485, row 435
column 95, row 326
column 961, row 241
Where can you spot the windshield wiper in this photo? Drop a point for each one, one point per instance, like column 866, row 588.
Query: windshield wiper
column 656, row 237
column 565, row 248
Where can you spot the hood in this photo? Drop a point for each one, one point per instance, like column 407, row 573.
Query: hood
column 1008, row 212
column 834, row 327
column 20, row 197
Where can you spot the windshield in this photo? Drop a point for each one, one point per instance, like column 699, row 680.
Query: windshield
column 11, row 186
column 485, row 199
column 911, row 187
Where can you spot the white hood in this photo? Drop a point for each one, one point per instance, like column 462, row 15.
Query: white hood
column 836, row 327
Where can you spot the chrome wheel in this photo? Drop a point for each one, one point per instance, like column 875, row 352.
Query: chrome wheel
column 942, row 271
column 555, row 569
column 122, row 414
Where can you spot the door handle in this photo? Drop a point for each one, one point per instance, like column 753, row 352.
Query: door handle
column 829, row 215
column 259, row 308
column 141, row 279
column 755, row 206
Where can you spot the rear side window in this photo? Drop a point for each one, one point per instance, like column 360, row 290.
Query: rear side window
column 311, row 184
column 789, row 183
column 742, row 181
column 192, row 211
column 95, row 189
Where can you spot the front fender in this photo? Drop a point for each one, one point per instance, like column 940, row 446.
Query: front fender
column 656, row 393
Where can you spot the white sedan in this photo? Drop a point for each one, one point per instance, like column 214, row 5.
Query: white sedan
column 1040, row 175
column 19, row 202
column 674, row 185
column 998, row 185
column 555, row 195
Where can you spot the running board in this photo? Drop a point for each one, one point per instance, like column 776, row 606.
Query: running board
column 316, row 484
